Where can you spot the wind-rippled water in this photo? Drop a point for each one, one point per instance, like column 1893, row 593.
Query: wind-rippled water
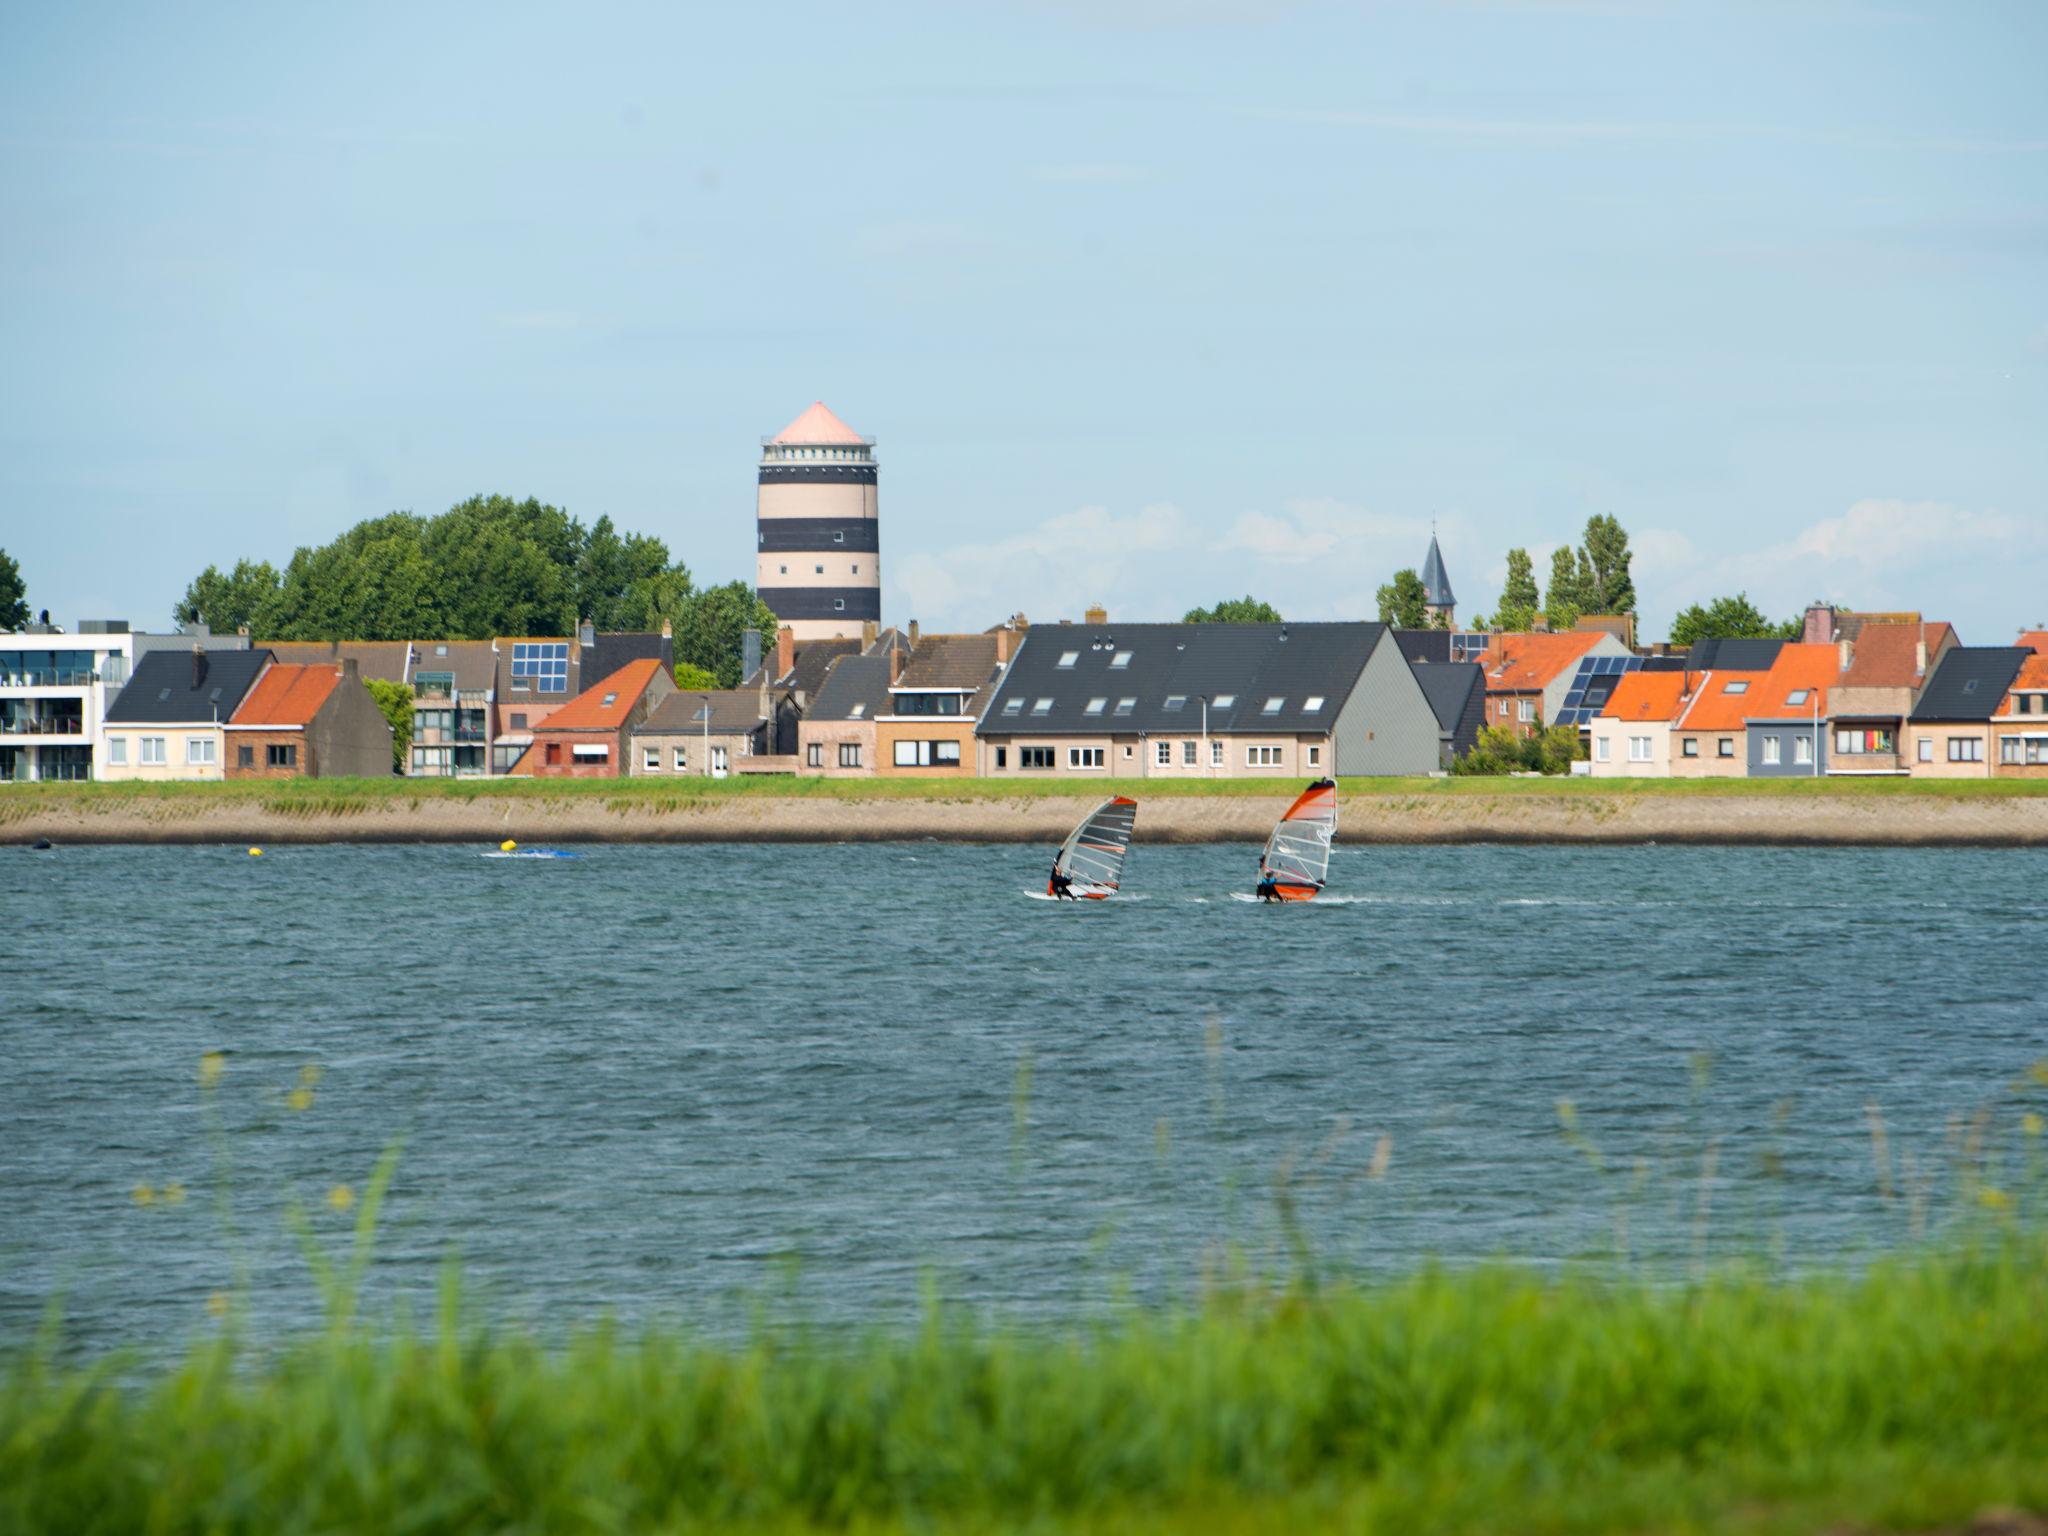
column 656, row 1080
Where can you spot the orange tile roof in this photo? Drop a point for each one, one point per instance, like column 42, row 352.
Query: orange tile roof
column 1888, row 655
column 2034, row 640
column 1523, row 663
column 588, row 710
column 1714, row 708
column 818, row 425
column 1808, row 667
column 1646, row 696
column 288, row 694
column 2033, row 676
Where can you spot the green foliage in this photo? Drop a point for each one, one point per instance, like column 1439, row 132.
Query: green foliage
column 247, row 595
column 1404, row 601
column 1235, row 610
column 1565, row 598
column 13, row 594
column 1611, row 588
column 1499, row 750
column 709, row 626
column 396, row 701
column 691, row 676
column 1519, row 598
column 1730, row 618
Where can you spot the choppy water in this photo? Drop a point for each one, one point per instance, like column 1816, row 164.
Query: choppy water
column 655, row 1080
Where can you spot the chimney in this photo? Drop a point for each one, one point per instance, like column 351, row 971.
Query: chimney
column 1847, row 650
column 668, row 629
column 1540, row 624
column 1006, row 644
column 896, row 659
column 586, row 633
column 1096, row 615
column 785, row 650
column 349, row 670
column 1920, row 658
column 750, row 653
column 913, row 634
column 870, row 631
column 198, row 665
column 243, row 631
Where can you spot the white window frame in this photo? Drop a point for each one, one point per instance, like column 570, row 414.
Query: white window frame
column 1189, row 757
column 1640, row 749
column 682, row 758
column 1215, row 754
column 1926, row 749
column 200, row 752
column 1315, row 757
column 1774, row 752
column 1162, row 753
column 1262, row 755
column 1080, row 758
column 1603, row 749
column 1802, row 750
column 153, row 751
column 650, row 760
column 1525, row 711
column 117, row 751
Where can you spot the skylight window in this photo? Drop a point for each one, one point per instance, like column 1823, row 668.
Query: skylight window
column 1120, row 660
column 862, row 708
column 1798, row 695
column 1125, row 706
column 1067, row 659
column 1095, row 706
column 611, row 698
column 1013, row 706
column 1042, row 707
column 1313, row 703
column 1224, row 700
column 1175, row 701
column 1736, row 685
column 1272, row 706
column 1970, row 685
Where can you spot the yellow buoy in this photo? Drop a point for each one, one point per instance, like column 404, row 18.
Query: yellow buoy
column 507, row 846
column 255, row 853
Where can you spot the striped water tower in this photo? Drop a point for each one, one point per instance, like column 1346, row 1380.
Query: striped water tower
column 819, row 564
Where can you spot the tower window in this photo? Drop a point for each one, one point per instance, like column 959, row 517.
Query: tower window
column 839, row 536
column 839, row 605
column 856, row 569
column 821, row 570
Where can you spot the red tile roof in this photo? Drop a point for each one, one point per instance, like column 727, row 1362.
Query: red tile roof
column 1714, row 708
column 1888, row 655
column 2034, row 640
column 1646, row 696
column 288, row 695
column 1799, row 668
column 2033, row 678
column 588, row 711
column 1524, row 663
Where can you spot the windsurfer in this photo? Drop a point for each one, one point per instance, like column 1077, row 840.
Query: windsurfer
column 1268, row 888
column 1061, row 885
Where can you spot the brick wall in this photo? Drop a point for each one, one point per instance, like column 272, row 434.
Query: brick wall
column 259, row 743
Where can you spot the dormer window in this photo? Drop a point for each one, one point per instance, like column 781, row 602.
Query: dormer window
column 1120, row 660
column 1067, row 660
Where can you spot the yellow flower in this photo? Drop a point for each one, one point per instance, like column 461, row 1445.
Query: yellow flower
column 174, row 1194
column 300, row 1098
column 309, row 1074
column 211, row 1065
column 341, row 1197
column 217, row 1304
column 143, row 1195
column 1994, row 1199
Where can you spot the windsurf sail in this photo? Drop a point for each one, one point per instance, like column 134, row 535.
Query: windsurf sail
column 1092, row 857
column 1297, row 857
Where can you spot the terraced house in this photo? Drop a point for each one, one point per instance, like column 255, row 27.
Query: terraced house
column 1950, row 731
column 170, row 721
column 928, row 729
column 2021, row 724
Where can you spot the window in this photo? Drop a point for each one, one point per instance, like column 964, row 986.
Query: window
column 1042, row 707
column 1926, row 749
column 281, row 754
column 433, row 685
column 849, row 754
column 1096, row 706
column 1525, row 710
column 1002, row 757
column 1013, row 706
column 591, row 752
column 1126, row 706
column 610, row 699
column 838, row 535
column 814, row 755
column 2031, row 751
column 518, row 722
column 199, row 751
column 2008, row 749
column 1034, row 757
column 650, row 760
column 1119, row 661
column 1084, row 757
column 1175, row 702
column 782, row 570
column 554, row 752
column 1187, row 754
column 1690, row 747
column 245, row 756
column 1859, row 741
column 1736, row 685
column 1315, row 757
column 1313, row 704
column 681, row 759
column 820, row 570
column 1798, row 696
column 1262, row 757
column 1774, row 750
column 927, row 754
column 856, row 568
column 1162, row 753
column 117, row 751
column 153, row 753
column 1129, row 752
column 839, row 605
column 1725, row 747
column 1503, row 709
column 860, row 708
column 1639, row 749
column 1215, row 754
column 1272, row 706
column 1223, row 701
column 1602, row 749
column 1966, row 749
column 1067, row 660
column 1802, row 749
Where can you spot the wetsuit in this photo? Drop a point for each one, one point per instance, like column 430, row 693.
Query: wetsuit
column 1268, row 888
column 1062, row 886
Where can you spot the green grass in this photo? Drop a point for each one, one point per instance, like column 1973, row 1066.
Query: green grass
column 1488, row 1400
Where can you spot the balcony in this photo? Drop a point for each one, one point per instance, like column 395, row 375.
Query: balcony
column 43, row 678
column 36, row 725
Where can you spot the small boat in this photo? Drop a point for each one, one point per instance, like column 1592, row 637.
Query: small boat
column 1296, row 863
column 1090, row 864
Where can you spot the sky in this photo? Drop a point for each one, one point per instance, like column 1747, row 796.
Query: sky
column 1145, row 303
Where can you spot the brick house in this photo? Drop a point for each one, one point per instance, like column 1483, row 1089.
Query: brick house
column 588, row 737
column 1529, row 674
column 1950, row 733
column 309, row 721
column 2021, row 724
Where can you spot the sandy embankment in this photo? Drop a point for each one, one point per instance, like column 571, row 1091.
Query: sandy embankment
column 1868, row 820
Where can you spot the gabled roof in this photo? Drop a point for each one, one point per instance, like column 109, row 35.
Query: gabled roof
column 855, row 688
column 1436, row 585
column 385, row 659
column 473, row 662
column 1971, row 682
column 812, row 660
column 1720, row 701
column 1733, row 655
column 607, row 653
column 1646, row 697
column 163, row 690
column 2033, row 677
column 1165, row 670
column 1799, row 669
column 1448, row 686
column 951, row 661
column 817, row 425
column 1888, row 655
column 2034, row 640
column 588, row 711
column 288, row 695
column 1424, row 645
column 734, row 711
column 1526, row 662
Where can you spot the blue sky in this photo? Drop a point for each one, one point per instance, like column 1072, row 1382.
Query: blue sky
column 1147, row 303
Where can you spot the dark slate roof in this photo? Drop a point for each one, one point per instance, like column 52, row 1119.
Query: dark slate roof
column 607, row 653
column 813, row 660
column 1448, row 687
column 853, row 680
column 1733, row 655
column 734, row 711
column 1970, row 683
column 1246, row 663
column 474, row 662
column 1435, row 582
column 1430, row 645
column 161, row 690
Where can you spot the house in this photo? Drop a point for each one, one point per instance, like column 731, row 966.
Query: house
column 1456, row 691
column 836, row 737
column 309, row 721
column 454, row 684
column 1529, row 674
column 701, row 731
column 170, row 720
column 1201, row 700
column 1787, row 724
column 387, row 660
column 55, row 690
column 2021, row 724
column 1950, row 730
column 1708, row 737
column 1631, row 735
column 599, row 655
column 588, row 737
column 1881, row 670
column 927, row 730
column 532, row 677
column 1593, row 684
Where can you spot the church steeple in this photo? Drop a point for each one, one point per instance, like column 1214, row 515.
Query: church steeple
column 1436, row 587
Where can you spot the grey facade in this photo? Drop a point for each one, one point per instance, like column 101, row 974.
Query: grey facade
column 1775, row 748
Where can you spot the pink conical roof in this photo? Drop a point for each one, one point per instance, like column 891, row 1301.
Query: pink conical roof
column 817, row 425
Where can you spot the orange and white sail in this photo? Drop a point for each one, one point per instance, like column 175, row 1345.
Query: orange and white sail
column 1297, row 855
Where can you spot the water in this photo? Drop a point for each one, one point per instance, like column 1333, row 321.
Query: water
column 660, row 1081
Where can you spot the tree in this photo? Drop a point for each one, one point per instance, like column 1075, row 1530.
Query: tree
column 691, row 677
column 395, row 699
column 1404, row 601
column 225, row 602
column 13, row 594
column 1235, row 610
column 1565, row 600
column 1499, row 750
column 1730, row 618
column 1612, row 589
column 1519, row 599
column 709, row 626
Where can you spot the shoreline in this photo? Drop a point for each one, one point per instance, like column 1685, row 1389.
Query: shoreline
column 1701, row 819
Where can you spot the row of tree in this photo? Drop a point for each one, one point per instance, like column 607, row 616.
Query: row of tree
column 486, row 567
column 1593, row 576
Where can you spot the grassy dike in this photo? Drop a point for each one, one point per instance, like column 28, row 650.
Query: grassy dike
column 1907, row 1399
